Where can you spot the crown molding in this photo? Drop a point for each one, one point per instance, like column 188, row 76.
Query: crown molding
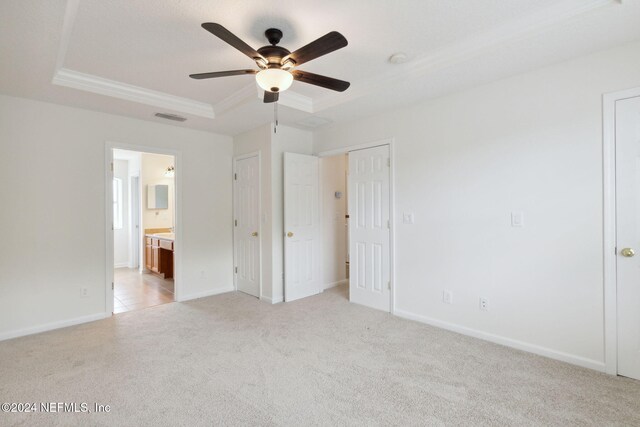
column 293, row 99
column 115, row 89
column 236, row 99
column 471, row 47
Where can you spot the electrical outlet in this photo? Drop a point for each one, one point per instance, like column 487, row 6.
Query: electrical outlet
column 447, row 297
column 484, row 304
column 84, row 292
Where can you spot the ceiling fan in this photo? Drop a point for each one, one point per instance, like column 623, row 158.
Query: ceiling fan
column 276, row 64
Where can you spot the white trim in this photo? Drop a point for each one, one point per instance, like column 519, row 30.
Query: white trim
column 70, row 13
column 177, row 254
column 234, row 197
column 497, row 339
column 295, row 100
column 237, row 98
column 53, row 325
column 90, row 83
column 392, row 201
column 609, row 223
column 121, row 265
column 274, row 300
column 209, row 293
column 334, row 284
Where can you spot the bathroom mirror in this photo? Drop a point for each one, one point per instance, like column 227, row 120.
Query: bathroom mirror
column 157, row 197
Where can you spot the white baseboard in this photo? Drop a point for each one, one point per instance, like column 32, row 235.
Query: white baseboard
column 53, row 325
column 121, row 264
column 274, row 300
column 508, row 342
column 334, row 284
column 208, row 293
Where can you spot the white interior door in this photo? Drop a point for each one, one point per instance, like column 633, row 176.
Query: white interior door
column 301, row 226
column 628, row 235
column 247, row 221
column 369, row 233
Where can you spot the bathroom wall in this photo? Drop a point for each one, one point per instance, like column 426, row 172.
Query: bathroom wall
column 152, row 169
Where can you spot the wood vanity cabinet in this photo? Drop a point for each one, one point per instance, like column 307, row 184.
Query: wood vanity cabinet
column 147, row 253
column 158, row 256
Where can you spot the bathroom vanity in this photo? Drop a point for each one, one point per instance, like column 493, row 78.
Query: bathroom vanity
column 158, row 253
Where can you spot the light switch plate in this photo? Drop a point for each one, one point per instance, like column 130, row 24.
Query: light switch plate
column 407, row 218
column 517, row 219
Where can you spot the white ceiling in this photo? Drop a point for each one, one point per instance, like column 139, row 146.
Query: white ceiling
column 133, row 57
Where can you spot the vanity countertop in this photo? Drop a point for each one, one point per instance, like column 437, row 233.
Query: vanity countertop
column 163, row 236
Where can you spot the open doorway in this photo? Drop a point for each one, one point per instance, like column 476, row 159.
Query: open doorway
column 143, row 217
column 335, row 223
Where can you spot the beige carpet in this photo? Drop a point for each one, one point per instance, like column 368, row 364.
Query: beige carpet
column 232, row 360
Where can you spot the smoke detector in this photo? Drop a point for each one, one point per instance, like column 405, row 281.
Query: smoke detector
column 398, row 58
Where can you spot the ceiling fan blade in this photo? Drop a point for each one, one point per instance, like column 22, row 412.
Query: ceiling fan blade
column 325, row 44
column 322, row 81
column 270, row 96
column 227, row 36
column 201, row 76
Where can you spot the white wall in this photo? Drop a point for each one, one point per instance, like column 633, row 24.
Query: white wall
column 334, row 231
column 121, row 241
column 463, row 163
column 54, row 234
column 152, row 169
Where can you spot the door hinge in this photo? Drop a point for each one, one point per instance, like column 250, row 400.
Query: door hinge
column 235, row 176
column 235, row 222
column 111, row 166
column 236, row 270
column 112, row 286
column 615, row 250
column 388, row 224
column 389, row 162
column 389, row 285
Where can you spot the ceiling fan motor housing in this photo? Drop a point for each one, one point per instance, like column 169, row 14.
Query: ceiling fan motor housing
column 273, row 55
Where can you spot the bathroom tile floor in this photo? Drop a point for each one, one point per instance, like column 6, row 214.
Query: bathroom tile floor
column 134, row 290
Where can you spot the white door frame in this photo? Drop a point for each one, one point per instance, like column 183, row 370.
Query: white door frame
column 392, row 201
column 108, row 224
column 135, row 209
column 235, row 161
column 609, row 217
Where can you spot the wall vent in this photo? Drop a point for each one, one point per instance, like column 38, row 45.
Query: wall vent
column 173, row 117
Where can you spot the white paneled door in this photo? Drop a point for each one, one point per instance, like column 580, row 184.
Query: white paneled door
column 628, row 235
column 369, row 232
column 246, row 222
column 301, row 226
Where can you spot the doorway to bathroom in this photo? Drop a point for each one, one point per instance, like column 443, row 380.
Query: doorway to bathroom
column 142, row 207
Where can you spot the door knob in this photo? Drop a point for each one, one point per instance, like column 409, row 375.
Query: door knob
column 254, row 234
column 289, row 234
column 628, row 252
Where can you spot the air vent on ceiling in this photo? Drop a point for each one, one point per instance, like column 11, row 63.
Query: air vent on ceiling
column 173, row 117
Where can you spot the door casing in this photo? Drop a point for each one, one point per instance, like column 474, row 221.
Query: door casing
column 609, row 219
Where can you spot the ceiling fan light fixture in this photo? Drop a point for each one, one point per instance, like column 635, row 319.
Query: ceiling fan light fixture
column 274, row 78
